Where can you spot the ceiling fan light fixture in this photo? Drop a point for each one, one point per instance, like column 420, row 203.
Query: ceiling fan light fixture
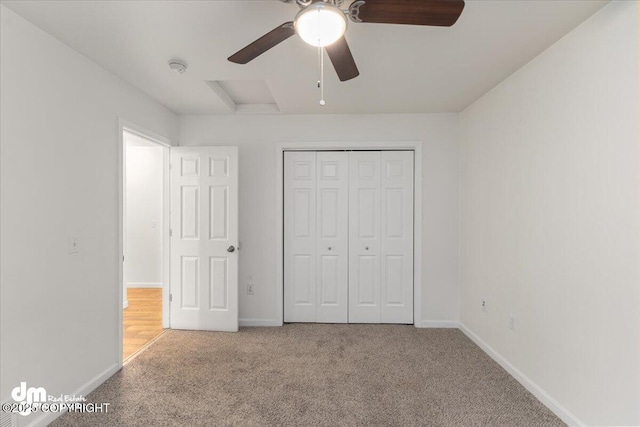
column 320, row 24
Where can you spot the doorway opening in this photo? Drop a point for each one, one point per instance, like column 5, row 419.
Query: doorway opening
column 144, row 241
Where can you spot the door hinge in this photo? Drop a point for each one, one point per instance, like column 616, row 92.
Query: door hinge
column 170, row 233
column 170, row 297
column 122, row 258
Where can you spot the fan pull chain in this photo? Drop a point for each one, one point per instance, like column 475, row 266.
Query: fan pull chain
column 321, row 81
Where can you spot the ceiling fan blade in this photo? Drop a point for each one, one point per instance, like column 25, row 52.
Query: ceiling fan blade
column 441, row 13
column 263, row 44
column 342, row 60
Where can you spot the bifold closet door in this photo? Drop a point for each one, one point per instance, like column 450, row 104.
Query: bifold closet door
column 396, row 221
column 364, row 237
column 348, row 237
column 381, row 237
column 316, row 236
column 299, row 236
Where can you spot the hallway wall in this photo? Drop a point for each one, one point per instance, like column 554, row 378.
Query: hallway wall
column 143, row 212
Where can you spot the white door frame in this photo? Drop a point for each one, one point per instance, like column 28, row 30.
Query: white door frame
column 165, row 143
column 416, row 146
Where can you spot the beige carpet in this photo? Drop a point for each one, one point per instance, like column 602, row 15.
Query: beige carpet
column 314, row 375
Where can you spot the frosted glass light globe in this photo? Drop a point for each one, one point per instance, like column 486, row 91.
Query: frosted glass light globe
column 320, row 24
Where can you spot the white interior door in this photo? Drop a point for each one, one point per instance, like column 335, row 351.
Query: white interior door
column 381, row 237
column 364, row 237
column 316, row 237
column 396, row 288
column 332, row 242
column 204, row 238
column 300, row 236
column 348, row 237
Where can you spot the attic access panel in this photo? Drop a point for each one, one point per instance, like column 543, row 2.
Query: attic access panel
column 245, row 96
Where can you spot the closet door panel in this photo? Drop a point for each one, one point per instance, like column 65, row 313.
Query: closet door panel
column 300, row 237
column 349, row 237
column 332, row 237
column 364, row 237
column 396, row 237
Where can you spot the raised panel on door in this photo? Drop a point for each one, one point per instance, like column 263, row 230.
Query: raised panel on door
column 218, row 212
column 332, row 237
column 364, row 237
column 303, row 281
column 204, row 223
column 218, row 283
column 189, row 212
column 396, row 237
column 189, row 283
column 299, row 236
column 330, row 280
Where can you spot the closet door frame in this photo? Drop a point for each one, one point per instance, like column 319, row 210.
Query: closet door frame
column 416, row 147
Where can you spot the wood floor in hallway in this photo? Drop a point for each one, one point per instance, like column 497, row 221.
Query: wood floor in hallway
column 142, row 319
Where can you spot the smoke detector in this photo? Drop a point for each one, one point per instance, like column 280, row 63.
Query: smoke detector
column 177, row 66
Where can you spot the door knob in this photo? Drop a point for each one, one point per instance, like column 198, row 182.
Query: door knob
column 329, row 248
column 366, row 248
column 231, row 249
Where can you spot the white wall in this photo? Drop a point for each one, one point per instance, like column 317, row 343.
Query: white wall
column 549, row 226
column 257, row 137
column 59, row 178
column 143, row 207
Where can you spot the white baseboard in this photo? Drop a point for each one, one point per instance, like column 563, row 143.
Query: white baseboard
column 47, row 418
column 533, row 388
column 424, row 324
column 450, row 324
column 144, row 285
column 259, row 322
column 125, row 304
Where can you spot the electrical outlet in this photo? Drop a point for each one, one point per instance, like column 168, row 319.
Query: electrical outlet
column 484, row 306
column 512, row 322
column 250, row 285
column 74, row 245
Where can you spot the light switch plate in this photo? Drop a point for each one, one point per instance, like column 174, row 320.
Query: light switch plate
column 74, row 245
column 512, row 322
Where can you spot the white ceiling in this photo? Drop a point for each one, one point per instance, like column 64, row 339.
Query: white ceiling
column 403, row 69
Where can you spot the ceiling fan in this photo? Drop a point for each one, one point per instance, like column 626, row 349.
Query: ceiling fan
column 322, row 23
